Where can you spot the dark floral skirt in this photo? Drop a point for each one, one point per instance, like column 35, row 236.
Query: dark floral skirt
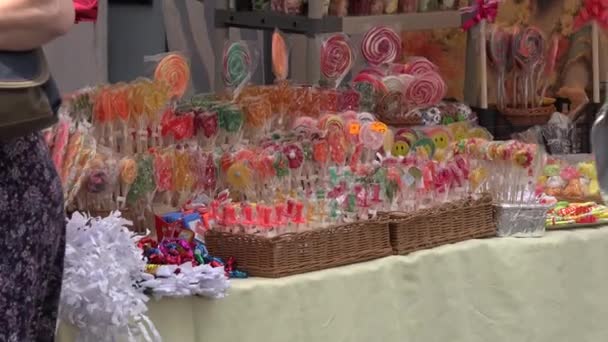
column 32, row 241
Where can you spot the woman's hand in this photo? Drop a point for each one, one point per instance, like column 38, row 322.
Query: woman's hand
column 29, row 24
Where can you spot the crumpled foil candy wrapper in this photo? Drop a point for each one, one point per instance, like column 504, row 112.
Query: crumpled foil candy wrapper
column 102, row 262
column 521, row 220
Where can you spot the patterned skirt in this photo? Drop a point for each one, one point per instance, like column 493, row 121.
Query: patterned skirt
column 32, row 241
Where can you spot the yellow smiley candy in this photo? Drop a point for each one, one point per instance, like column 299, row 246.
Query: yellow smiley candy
column 400, row 148
column 459, row 130
column 440, row 137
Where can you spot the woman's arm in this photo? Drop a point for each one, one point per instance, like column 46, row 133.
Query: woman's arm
column 28, row 24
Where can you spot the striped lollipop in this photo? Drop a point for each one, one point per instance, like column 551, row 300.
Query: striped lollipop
column 381, row 45
column 528, row 47
column 337, row 57
column 418, row 66
column 174, row 71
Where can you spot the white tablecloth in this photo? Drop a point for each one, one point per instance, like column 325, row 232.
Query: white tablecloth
column 549, row 289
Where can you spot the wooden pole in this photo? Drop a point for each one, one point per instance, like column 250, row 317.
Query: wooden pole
column 483, row 65
column 595, row 54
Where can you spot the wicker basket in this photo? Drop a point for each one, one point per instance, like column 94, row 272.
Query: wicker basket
column 529, row 116
column 449, row 223
column 391, row 111
column 296, row 253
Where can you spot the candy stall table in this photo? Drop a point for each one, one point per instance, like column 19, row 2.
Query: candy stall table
column 508, row 289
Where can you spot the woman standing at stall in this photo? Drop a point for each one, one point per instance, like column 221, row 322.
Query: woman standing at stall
column 32, row 221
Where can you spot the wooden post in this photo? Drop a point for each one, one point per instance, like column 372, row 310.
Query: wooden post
column 595, row 54
column 483, row 73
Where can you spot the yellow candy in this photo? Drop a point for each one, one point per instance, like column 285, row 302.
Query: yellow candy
column 441, row 137
column 594, row 187
column 478, row 176
column 459, row 130
column 400, row 148
column 479, row 132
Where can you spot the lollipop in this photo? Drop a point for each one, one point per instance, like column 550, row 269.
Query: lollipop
column 295, row 156
column 393, row 84
column 366, row 117
column 97, row 181
column 207, row 124
column 381, row 45
column 418, row 66
column 372, row 137
column 305, row 126
column 426, row 90
column 239, row 176
column 237, row 64
column 349, row 100
column 174, row 71
column 528, row 47
column 337, row 58
column 280, row 58
column 498, row 50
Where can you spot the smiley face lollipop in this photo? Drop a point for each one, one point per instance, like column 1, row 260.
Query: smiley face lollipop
column 401, row 147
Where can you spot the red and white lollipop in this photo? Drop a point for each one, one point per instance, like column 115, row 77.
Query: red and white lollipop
column 337, row 57
column 381, row 45
column 425, row 90
column 418, row 66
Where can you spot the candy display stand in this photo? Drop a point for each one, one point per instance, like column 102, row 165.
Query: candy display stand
column 296, row 253
column 462, row 220
column 315, row 23
column 521, row 220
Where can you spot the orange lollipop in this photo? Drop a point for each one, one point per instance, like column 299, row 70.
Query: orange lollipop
column 173, row 70
column 120, row 104
column 100, row 112
column 280, row 62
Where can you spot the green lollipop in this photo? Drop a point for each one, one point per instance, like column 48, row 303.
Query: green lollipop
column 427, row 144
column 237, row 64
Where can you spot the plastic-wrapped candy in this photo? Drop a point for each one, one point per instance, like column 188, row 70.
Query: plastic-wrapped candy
column 431, row 116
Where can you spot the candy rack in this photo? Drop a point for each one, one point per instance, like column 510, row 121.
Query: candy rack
column 315, row 24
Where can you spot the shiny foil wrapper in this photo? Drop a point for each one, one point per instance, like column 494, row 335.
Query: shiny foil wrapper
column 521, row 220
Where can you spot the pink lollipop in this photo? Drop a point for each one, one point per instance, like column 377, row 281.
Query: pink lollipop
column 381, row 45
column 373, row 70
column 370, row 137
column 305, row 125
column 418, row 66
column 336, row 57
column 425, row 90
column 372, row 79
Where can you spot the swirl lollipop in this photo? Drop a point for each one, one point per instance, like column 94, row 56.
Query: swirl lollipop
column 528, row 47
column 237, row 65
column 418, row 66
column 337, row 58
column 425, row 90
column 381, row 45
column 174, row 71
